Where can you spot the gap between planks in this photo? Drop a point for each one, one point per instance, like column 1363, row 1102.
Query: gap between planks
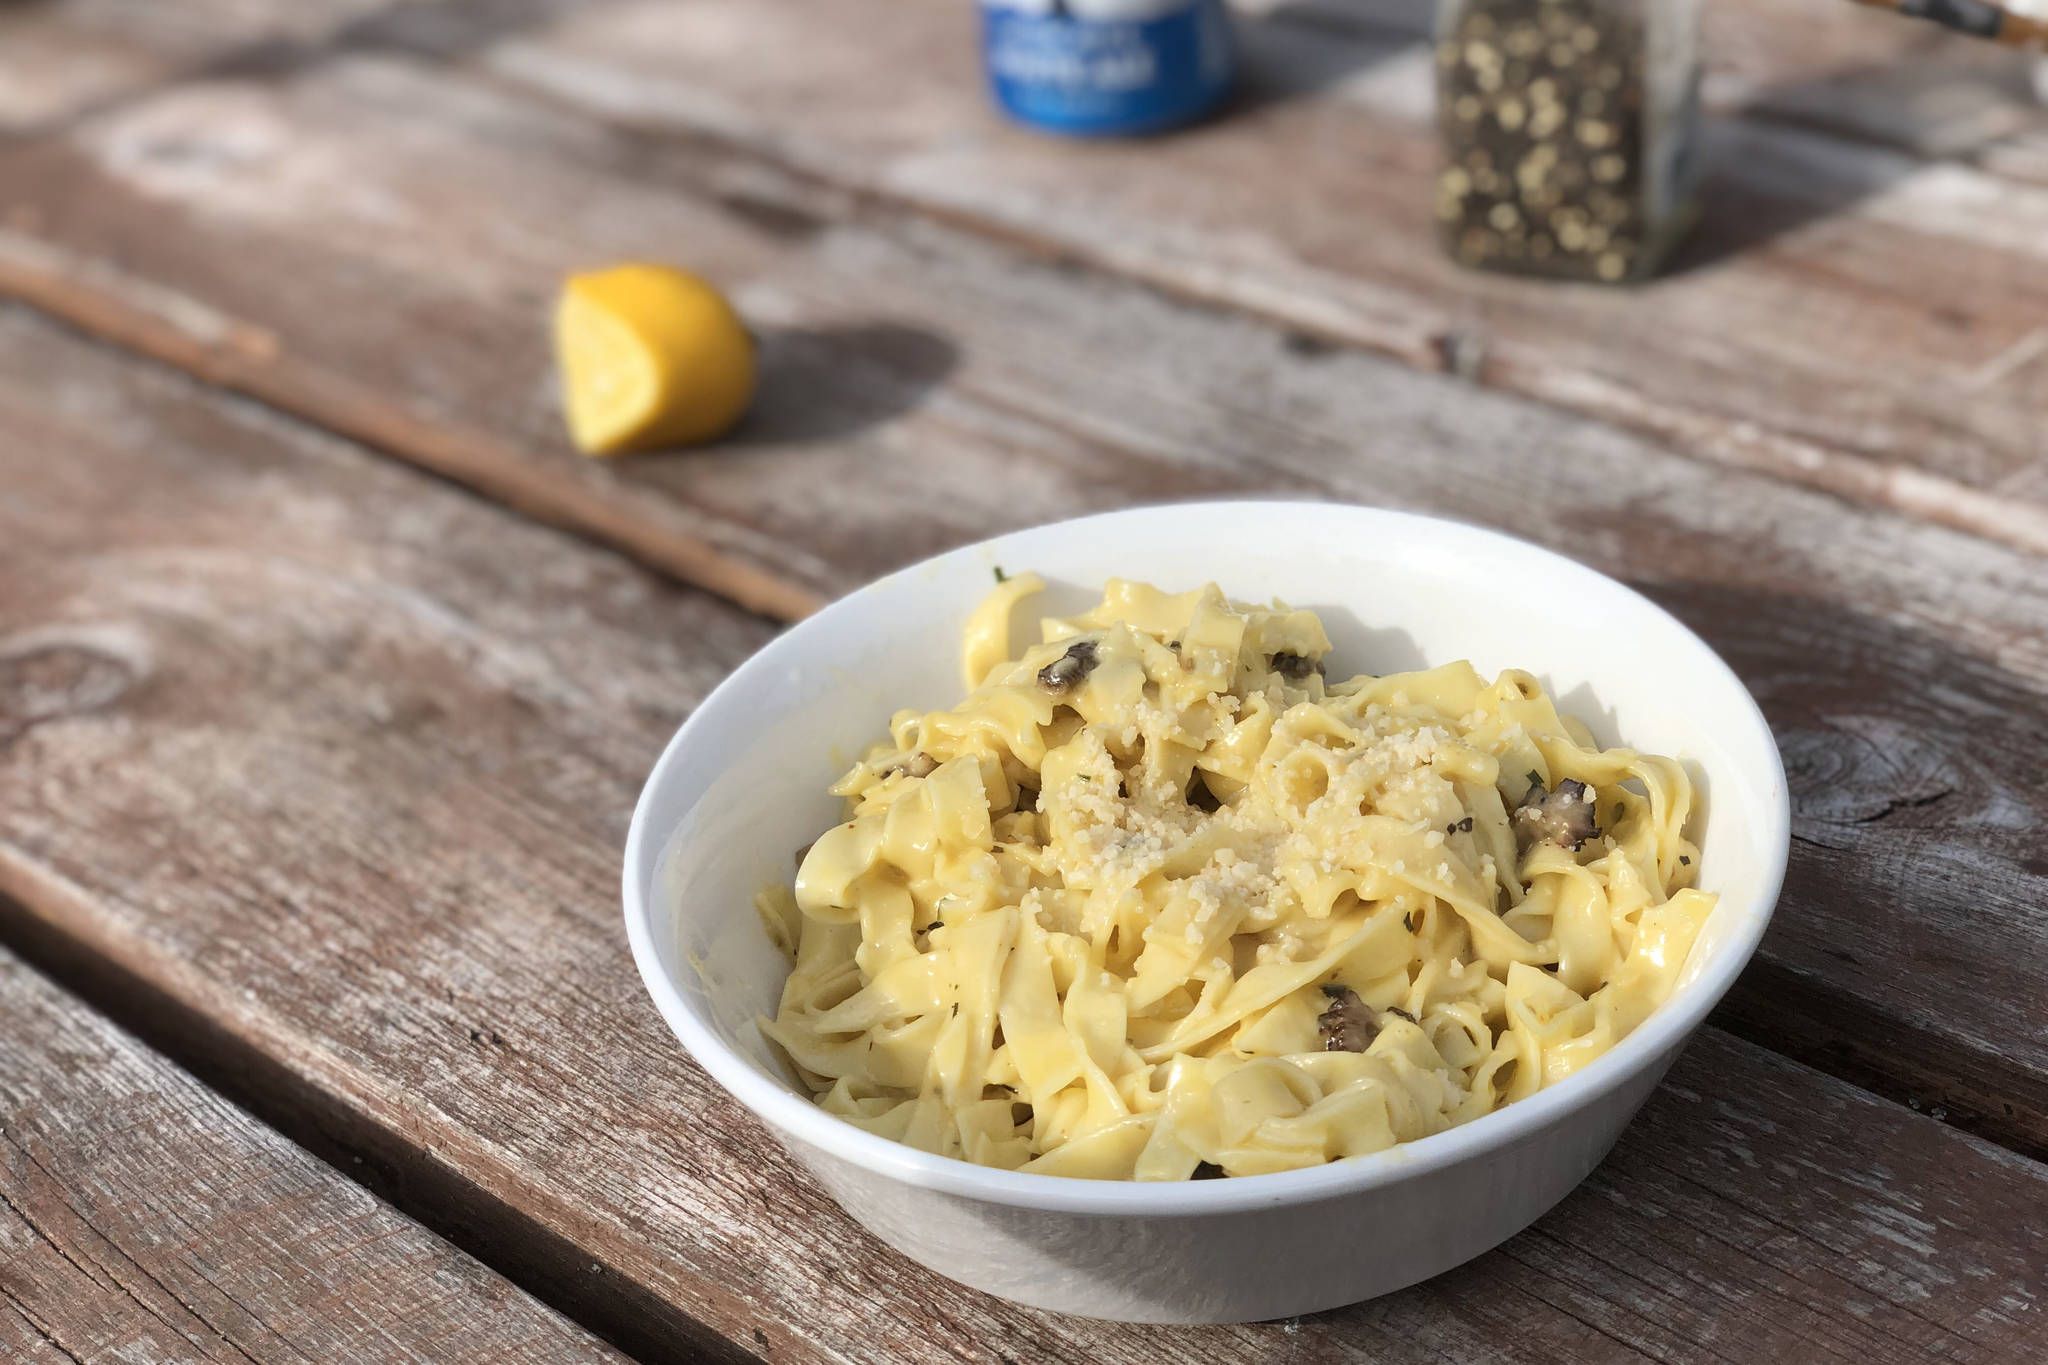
column 252, row 342
column 98, row 301
column 143, row 315
column 69, row 922
column 798, row 188
column 141, row 1218
column 1449, row 349
column 395, row 1166
column 196, row 337
column 390, row 1165
column 402, row 1170
column 1230, row 267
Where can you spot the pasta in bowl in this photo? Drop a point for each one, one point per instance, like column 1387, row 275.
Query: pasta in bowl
column 1159, row 899
column 745, row 782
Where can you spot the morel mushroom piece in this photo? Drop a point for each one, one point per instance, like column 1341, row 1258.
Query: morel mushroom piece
column 1294, row 667
column 1563, row 816
column 918, row 765
column 1347, row 1023
column 1064, row 674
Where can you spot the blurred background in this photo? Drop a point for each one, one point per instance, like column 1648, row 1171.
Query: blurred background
column 361, row 211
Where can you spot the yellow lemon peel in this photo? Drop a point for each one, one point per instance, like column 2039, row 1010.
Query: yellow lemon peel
column 650, row 356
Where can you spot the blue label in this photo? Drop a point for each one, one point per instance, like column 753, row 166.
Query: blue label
column 1107, row 76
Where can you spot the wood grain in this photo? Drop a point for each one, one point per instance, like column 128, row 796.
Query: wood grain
column 1862, row 77
column 925, row 387
column 1848, row 316
column 63, row 58
column 1868, row 77
column 320, row 768
column 144, row 1218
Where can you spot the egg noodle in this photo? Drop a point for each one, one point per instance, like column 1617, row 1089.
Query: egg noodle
column 1158, row 901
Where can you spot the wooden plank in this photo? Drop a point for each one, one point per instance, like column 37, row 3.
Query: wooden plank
column 320, row 768
column 1870, row 77
column 926, row 388
column 1847, row 316
column 142, row 1217
column 1862, row 76
column 61, row 58
column 1817, row 64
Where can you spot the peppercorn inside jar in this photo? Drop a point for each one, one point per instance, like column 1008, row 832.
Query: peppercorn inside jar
column 1570, row 132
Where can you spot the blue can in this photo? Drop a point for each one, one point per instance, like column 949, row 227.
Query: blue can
column 1106, row 68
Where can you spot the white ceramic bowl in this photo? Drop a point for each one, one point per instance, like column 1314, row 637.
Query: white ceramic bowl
column 741, row 787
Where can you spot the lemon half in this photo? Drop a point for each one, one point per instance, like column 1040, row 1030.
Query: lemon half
column 650, row 356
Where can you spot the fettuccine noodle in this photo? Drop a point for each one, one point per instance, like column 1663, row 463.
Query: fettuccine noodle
column 1158, row 901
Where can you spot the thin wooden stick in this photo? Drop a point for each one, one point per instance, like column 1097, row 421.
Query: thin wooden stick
column 1978, row 18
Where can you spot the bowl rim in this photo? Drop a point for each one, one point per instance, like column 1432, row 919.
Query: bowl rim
column 801, row 1119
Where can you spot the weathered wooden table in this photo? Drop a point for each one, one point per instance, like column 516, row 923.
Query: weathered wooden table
column 328, row 673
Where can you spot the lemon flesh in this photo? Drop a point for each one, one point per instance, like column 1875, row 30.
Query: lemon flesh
column 650, row 356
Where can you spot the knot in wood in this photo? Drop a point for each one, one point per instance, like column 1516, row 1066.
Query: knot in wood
column 46, row 676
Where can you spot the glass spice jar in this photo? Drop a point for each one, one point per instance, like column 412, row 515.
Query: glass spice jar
column 1570, row 132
